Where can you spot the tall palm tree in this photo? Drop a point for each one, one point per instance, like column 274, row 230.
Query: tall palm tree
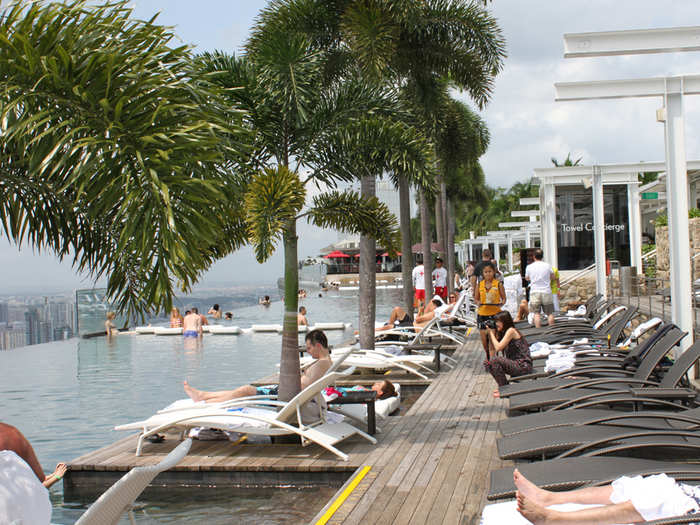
column 462, row 137
column 409, row 44
column 109, row 144
column 304, row 120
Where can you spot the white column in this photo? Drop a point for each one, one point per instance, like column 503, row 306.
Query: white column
column 485, row 244
column 497, row 250
column 548, row 225
column 677, row 202
column 471, row 250
column 528, row 241
column 599, row 232
column 635, row 226
column 510, row 252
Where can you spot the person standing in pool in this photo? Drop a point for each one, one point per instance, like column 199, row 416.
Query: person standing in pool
column 215, row 312
column 301, row 317
column 192, row 324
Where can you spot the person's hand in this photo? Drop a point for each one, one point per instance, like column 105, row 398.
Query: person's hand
column 61, row 469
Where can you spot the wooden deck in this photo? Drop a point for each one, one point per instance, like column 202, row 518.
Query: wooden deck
column 430, row 466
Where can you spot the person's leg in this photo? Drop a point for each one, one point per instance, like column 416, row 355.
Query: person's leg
column 585, row 496
column 219, row 396
column 606, row 515
column 397, row 314
column 496, row 368
column 484, row 334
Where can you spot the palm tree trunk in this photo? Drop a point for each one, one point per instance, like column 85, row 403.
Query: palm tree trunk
column 450, row 245
column 406, row 251
column 290, row 377
column 426, row 240
column 368, row 275
column 445, row 218
column 440, row 221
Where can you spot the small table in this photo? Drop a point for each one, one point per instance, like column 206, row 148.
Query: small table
column 366, row 397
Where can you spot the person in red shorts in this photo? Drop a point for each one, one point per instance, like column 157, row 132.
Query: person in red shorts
column 419, row 285
column 440, row 278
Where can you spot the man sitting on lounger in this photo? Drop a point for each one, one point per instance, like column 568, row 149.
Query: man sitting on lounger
column 626, row 500
column 316, row 345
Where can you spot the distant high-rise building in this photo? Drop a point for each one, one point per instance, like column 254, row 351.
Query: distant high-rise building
column 4, row 313
column 32, row 327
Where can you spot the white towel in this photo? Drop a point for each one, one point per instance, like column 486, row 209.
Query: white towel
column 540, row 349
column 559, row 361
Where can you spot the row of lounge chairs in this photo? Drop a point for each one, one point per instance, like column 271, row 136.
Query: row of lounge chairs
column 612, row 414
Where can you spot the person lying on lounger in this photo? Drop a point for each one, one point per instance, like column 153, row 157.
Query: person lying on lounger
column 398, row 317
column 626, row 500
column 384, row 389
column 316, row 345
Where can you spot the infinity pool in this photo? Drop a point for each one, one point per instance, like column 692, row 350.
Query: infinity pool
column 66, row 397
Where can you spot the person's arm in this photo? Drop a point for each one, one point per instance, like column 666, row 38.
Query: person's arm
column 503, row 343
column 475, row 292
column 502, row 291
column 57, row 475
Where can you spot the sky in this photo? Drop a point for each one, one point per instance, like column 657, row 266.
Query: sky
column 527, row 126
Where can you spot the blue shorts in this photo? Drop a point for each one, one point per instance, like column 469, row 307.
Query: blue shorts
column 267, row 390
column 190, row 333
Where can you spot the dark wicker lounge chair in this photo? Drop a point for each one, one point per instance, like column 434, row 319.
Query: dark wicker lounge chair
column 589, row 389
column 615, row 366
column 572, row 473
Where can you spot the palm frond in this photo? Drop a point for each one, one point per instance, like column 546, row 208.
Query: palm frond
column 349, row 212
column 275, row 197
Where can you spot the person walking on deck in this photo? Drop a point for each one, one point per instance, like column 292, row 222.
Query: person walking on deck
column 418, row 276
column 540, row 275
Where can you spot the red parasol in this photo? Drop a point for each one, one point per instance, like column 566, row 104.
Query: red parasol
column 336, row 255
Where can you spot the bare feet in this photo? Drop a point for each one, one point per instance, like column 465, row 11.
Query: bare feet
column 536, row 514
column 193, row 393
column 531, row 491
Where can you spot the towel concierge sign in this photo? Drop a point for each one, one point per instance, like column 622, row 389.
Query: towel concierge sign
column 588, row 226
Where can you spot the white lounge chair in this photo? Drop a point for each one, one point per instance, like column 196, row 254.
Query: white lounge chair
column 381, row 361
column 109, row 507
column 259, row 416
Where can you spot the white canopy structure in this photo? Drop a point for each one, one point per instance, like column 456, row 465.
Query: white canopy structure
column 672, row 90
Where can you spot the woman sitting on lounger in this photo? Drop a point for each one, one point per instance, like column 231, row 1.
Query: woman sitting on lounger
column 626, row 500
column 316, row 345
column 515, row 359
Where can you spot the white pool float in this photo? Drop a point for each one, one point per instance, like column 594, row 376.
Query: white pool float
column 224, row 330
column 162, row 330
column 144, row 329
column 331, row 326
column 266, row 328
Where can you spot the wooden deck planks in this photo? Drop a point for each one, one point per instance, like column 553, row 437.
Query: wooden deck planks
column 435, row 468
column 430, row 465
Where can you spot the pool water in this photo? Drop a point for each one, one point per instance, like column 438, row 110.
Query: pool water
column 67, row 396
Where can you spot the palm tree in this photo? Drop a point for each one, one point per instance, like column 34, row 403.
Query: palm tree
column 109, row 144
column 304, row 121
column 567, row 161
column 409, row 44
column 462, row 138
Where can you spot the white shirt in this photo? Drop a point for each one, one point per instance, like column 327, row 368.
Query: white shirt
column 419, row 277
column 440, row 276
column 23, row 499
column 540, row 274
